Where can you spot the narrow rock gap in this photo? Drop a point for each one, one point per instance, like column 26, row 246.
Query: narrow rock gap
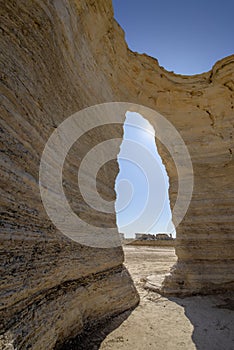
column 142, row 198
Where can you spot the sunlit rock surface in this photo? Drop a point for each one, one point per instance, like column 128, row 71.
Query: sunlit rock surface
column 57, row 58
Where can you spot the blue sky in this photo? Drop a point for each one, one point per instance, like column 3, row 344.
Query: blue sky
column 186, row 36
column 142, row 203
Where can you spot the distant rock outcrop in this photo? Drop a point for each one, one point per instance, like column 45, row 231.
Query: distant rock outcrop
column 152, row 237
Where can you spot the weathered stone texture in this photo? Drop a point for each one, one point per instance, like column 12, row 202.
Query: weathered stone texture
column 57, row 58
column 51, row 287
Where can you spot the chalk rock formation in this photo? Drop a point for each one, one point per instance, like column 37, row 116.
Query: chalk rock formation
column 201, row 107
column 57, row 58
column 51, row 286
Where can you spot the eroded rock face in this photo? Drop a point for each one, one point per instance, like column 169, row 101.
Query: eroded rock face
column 57, row 58
column 201, row 107
column 51, row 287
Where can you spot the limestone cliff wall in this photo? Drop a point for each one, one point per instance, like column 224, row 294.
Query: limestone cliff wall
column 51, row 287
column 201, row 107
column 57, row 58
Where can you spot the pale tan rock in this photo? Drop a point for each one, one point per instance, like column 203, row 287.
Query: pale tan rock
column 57, row 58
column 51, row 287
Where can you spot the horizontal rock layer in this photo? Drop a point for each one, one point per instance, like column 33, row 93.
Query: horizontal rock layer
column 59, row 57
column 52, row 287
column 201, row 107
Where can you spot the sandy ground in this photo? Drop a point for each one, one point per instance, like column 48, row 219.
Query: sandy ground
column 204, row 323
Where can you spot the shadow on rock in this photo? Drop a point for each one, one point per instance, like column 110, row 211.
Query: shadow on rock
column 91, row 338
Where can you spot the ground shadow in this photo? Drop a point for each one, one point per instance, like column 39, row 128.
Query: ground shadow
column 92, row 337
column 213, row 320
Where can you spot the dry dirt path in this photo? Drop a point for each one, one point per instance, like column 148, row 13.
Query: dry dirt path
column 203, row 323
